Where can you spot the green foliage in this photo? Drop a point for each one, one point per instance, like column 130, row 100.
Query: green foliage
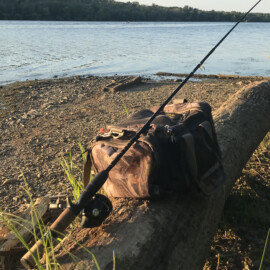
column 71, row 170
column 265, row 246
column 246, row 212
column 126, row 109
column 36, row 227
column 110, row 10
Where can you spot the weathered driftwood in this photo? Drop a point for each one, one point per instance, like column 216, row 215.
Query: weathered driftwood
column 10, row 245
column 175, row 233
column 213, row 76
column 122, row 84
column 8, row 240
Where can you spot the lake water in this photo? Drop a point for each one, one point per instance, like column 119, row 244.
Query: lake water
column 34, row 49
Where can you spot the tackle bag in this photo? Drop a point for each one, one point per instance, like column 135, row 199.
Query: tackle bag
column 179, row 152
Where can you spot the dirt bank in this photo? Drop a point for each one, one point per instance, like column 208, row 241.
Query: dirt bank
column 42, row 121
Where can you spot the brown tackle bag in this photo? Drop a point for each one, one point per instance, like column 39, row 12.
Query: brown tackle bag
column 179, row 151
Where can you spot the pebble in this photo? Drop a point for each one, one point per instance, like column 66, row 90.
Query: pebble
column 10, row 181
column 24, row 116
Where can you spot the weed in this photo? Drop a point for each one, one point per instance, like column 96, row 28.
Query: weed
column 35, row 226
column 83, row 152
column 265, row 245
column 125, row 107
column 246, row 213
column 71, row 169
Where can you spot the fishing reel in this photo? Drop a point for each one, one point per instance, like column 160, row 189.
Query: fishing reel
column 96, row 211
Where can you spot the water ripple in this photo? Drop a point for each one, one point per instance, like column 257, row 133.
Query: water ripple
column 43, row 49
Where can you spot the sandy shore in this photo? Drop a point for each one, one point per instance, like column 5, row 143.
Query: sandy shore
column 42, row 121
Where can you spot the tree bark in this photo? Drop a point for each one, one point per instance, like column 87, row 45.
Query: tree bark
column 176, row 232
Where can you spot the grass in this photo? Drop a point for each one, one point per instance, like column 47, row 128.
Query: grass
column 48, row 260
column 71, row 169
column 36, row 227
column 243, row 233
column 125, row 108
column 265, row 247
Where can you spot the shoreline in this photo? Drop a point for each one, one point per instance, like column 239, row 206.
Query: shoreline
column 155, row 77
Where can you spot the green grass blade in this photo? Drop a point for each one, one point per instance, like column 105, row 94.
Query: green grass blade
column 265, row 246
column 125, row 107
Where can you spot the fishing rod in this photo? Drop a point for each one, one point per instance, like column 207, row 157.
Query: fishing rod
column 70, row 213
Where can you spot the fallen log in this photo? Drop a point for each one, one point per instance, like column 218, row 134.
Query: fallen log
column 122, row 84
column 176, row 232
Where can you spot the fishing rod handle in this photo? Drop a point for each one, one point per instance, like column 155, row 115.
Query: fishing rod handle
column 59, row 225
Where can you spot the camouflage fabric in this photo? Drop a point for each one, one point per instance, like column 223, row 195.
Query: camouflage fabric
column 179, row 151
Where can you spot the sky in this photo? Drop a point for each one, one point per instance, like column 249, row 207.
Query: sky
column 218, row 5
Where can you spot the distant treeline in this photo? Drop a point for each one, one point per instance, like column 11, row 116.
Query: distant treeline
column 110, row 10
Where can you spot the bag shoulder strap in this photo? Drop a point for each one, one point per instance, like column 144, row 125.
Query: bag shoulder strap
column 87, row 170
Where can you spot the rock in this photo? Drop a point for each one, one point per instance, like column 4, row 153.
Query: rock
column 33, row 113
column 61, row 154
column 63, row 101
column 24, row 116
